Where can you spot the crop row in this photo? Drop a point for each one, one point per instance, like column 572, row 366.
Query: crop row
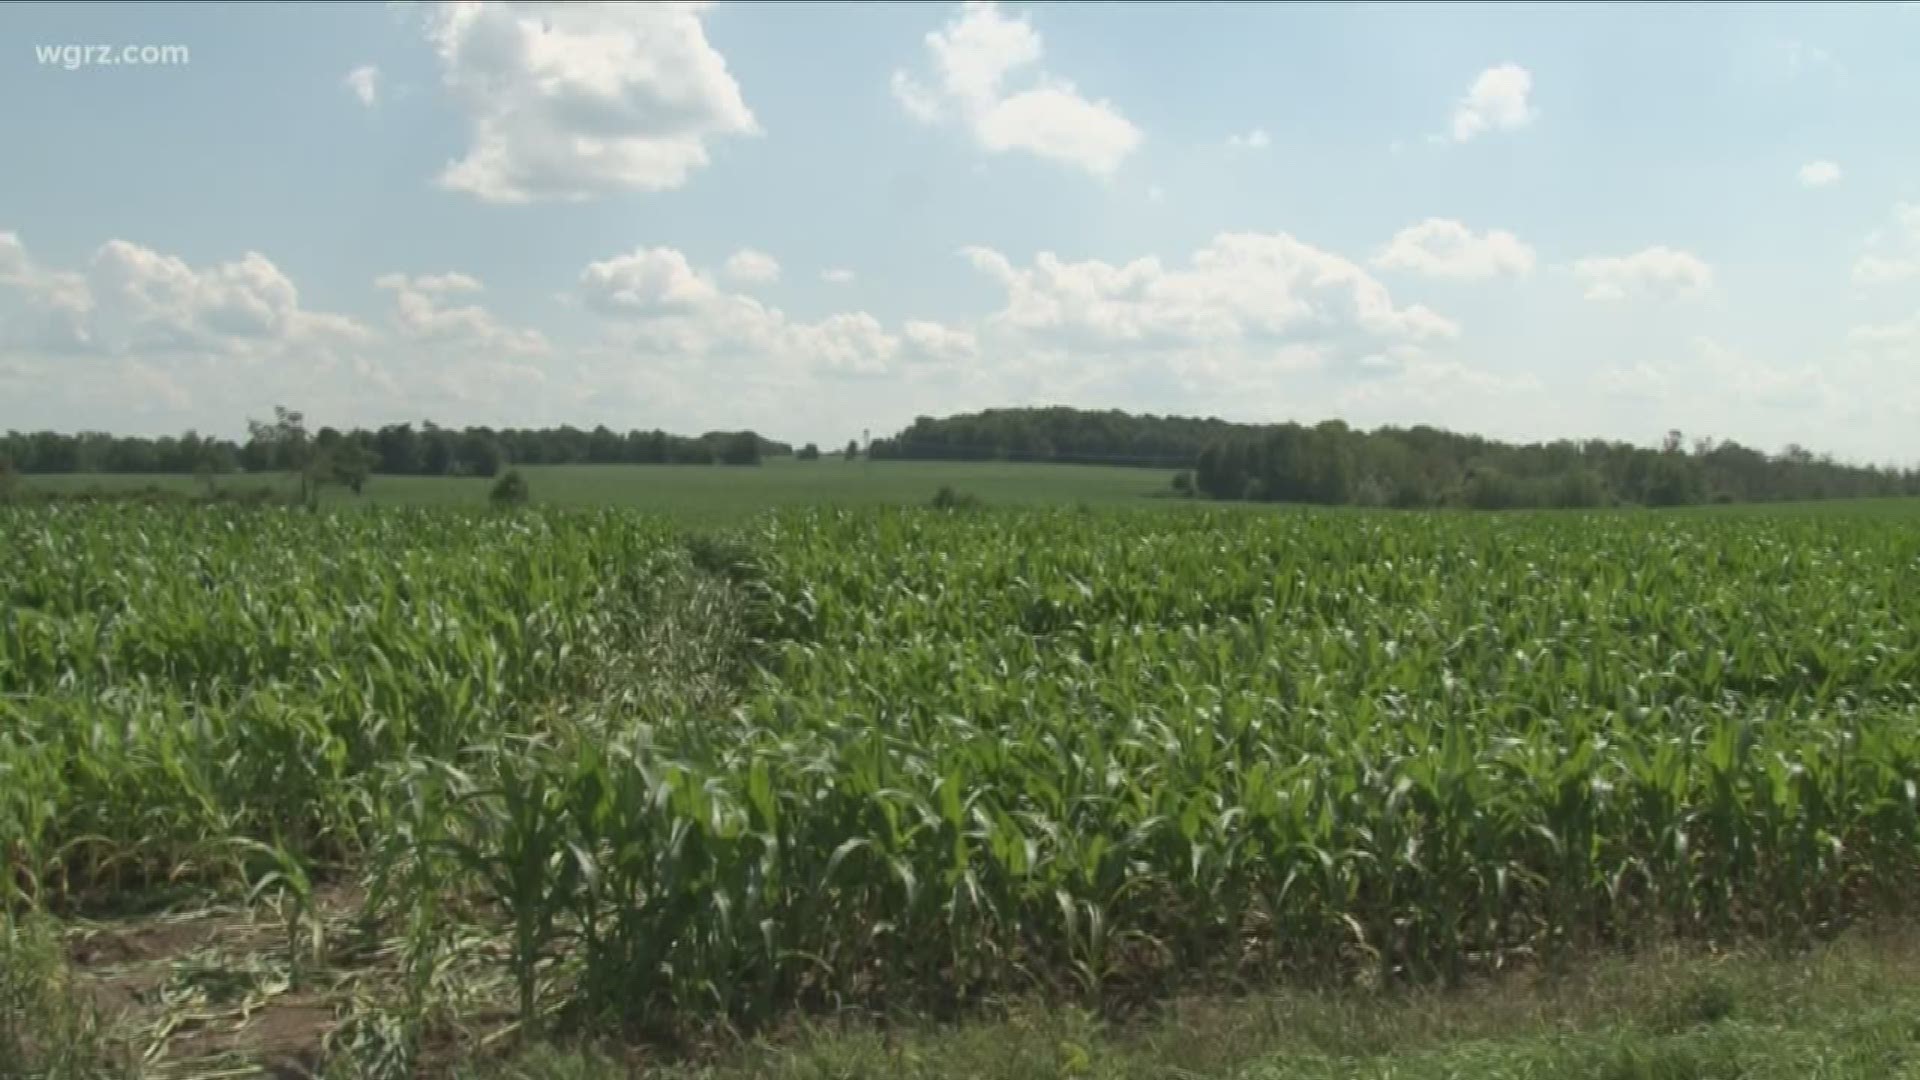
column 964, row 753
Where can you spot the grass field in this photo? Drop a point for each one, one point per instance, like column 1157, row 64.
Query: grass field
column 1839, row 1011
column 718, row 494
column 421, row 788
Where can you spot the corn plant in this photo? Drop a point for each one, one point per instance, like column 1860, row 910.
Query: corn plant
column 909, row 757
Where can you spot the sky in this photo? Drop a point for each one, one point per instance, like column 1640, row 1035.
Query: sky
column 814, row 220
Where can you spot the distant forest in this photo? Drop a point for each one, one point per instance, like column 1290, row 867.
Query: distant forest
column 1059, row 434
column 397, row 449
column 1327, row 463
column 1331, row 463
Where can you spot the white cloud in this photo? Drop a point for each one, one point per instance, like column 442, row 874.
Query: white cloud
column 451, row 282
column 153, row 386
column 1903, row 336
column 421, row 314
column 364, row 83
column 940, row 343
column 1654, row 271
column 137, row 300
column 920, row 102
column 1442, row 248
column 1758, row 382
column 750, row 267
column 972, row 55
column 41, row 308
column 573, row 101
column 1497, row 101
column 838, row 275
column 1417, row 384
column 1714, row 388
column 852, row 343
column 1894, row 257
column 664, row 305
column 1816, row 174
column 1262, row 289
column 139, row 332
column 644, row 280
column 14, row 264
column 1884, row 270
column 1257, row 139
column 1156, row 193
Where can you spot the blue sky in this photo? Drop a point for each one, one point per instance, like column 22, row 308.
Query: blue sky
column 1524, row 221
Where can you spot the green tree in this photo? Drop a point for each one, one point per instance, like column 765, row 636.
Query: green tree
column 853, row 449
column 348, row 464
column 809, row 452
column 399, row 448
column 286, row 446
column 741, row 449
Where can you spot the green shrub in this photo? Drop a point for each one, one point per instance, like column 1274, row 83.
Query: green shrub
column 949, row 499
column 510, row 490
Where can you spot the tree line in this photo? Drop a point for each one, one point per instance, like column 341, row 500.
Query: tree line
column 396, row 449
column 1333, row 464
column 1420, row 466
column 1057, row 433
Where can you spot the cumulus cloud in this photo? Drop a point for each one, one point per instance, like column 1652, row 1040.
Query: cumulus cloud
column 1257, row 139
column 643, row 280
column 1894, row 255
column 40, row 308
column 1816, row 174
column 139, row 332
column 940, row 343
column 666, row 305
column 1653, row 272
column 1266, row 289
column 851, row 343
column 572, row 101
column 363, row 83
column 133, row 299
column 1498, row 100
column 750, row 267
column 838, row 275
column 973, row 56
column 920, row 102
column 1443, row 248
column 422, row 313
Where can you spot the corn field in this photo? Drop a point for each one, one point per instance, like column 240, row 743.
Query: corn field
column 905, row 755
